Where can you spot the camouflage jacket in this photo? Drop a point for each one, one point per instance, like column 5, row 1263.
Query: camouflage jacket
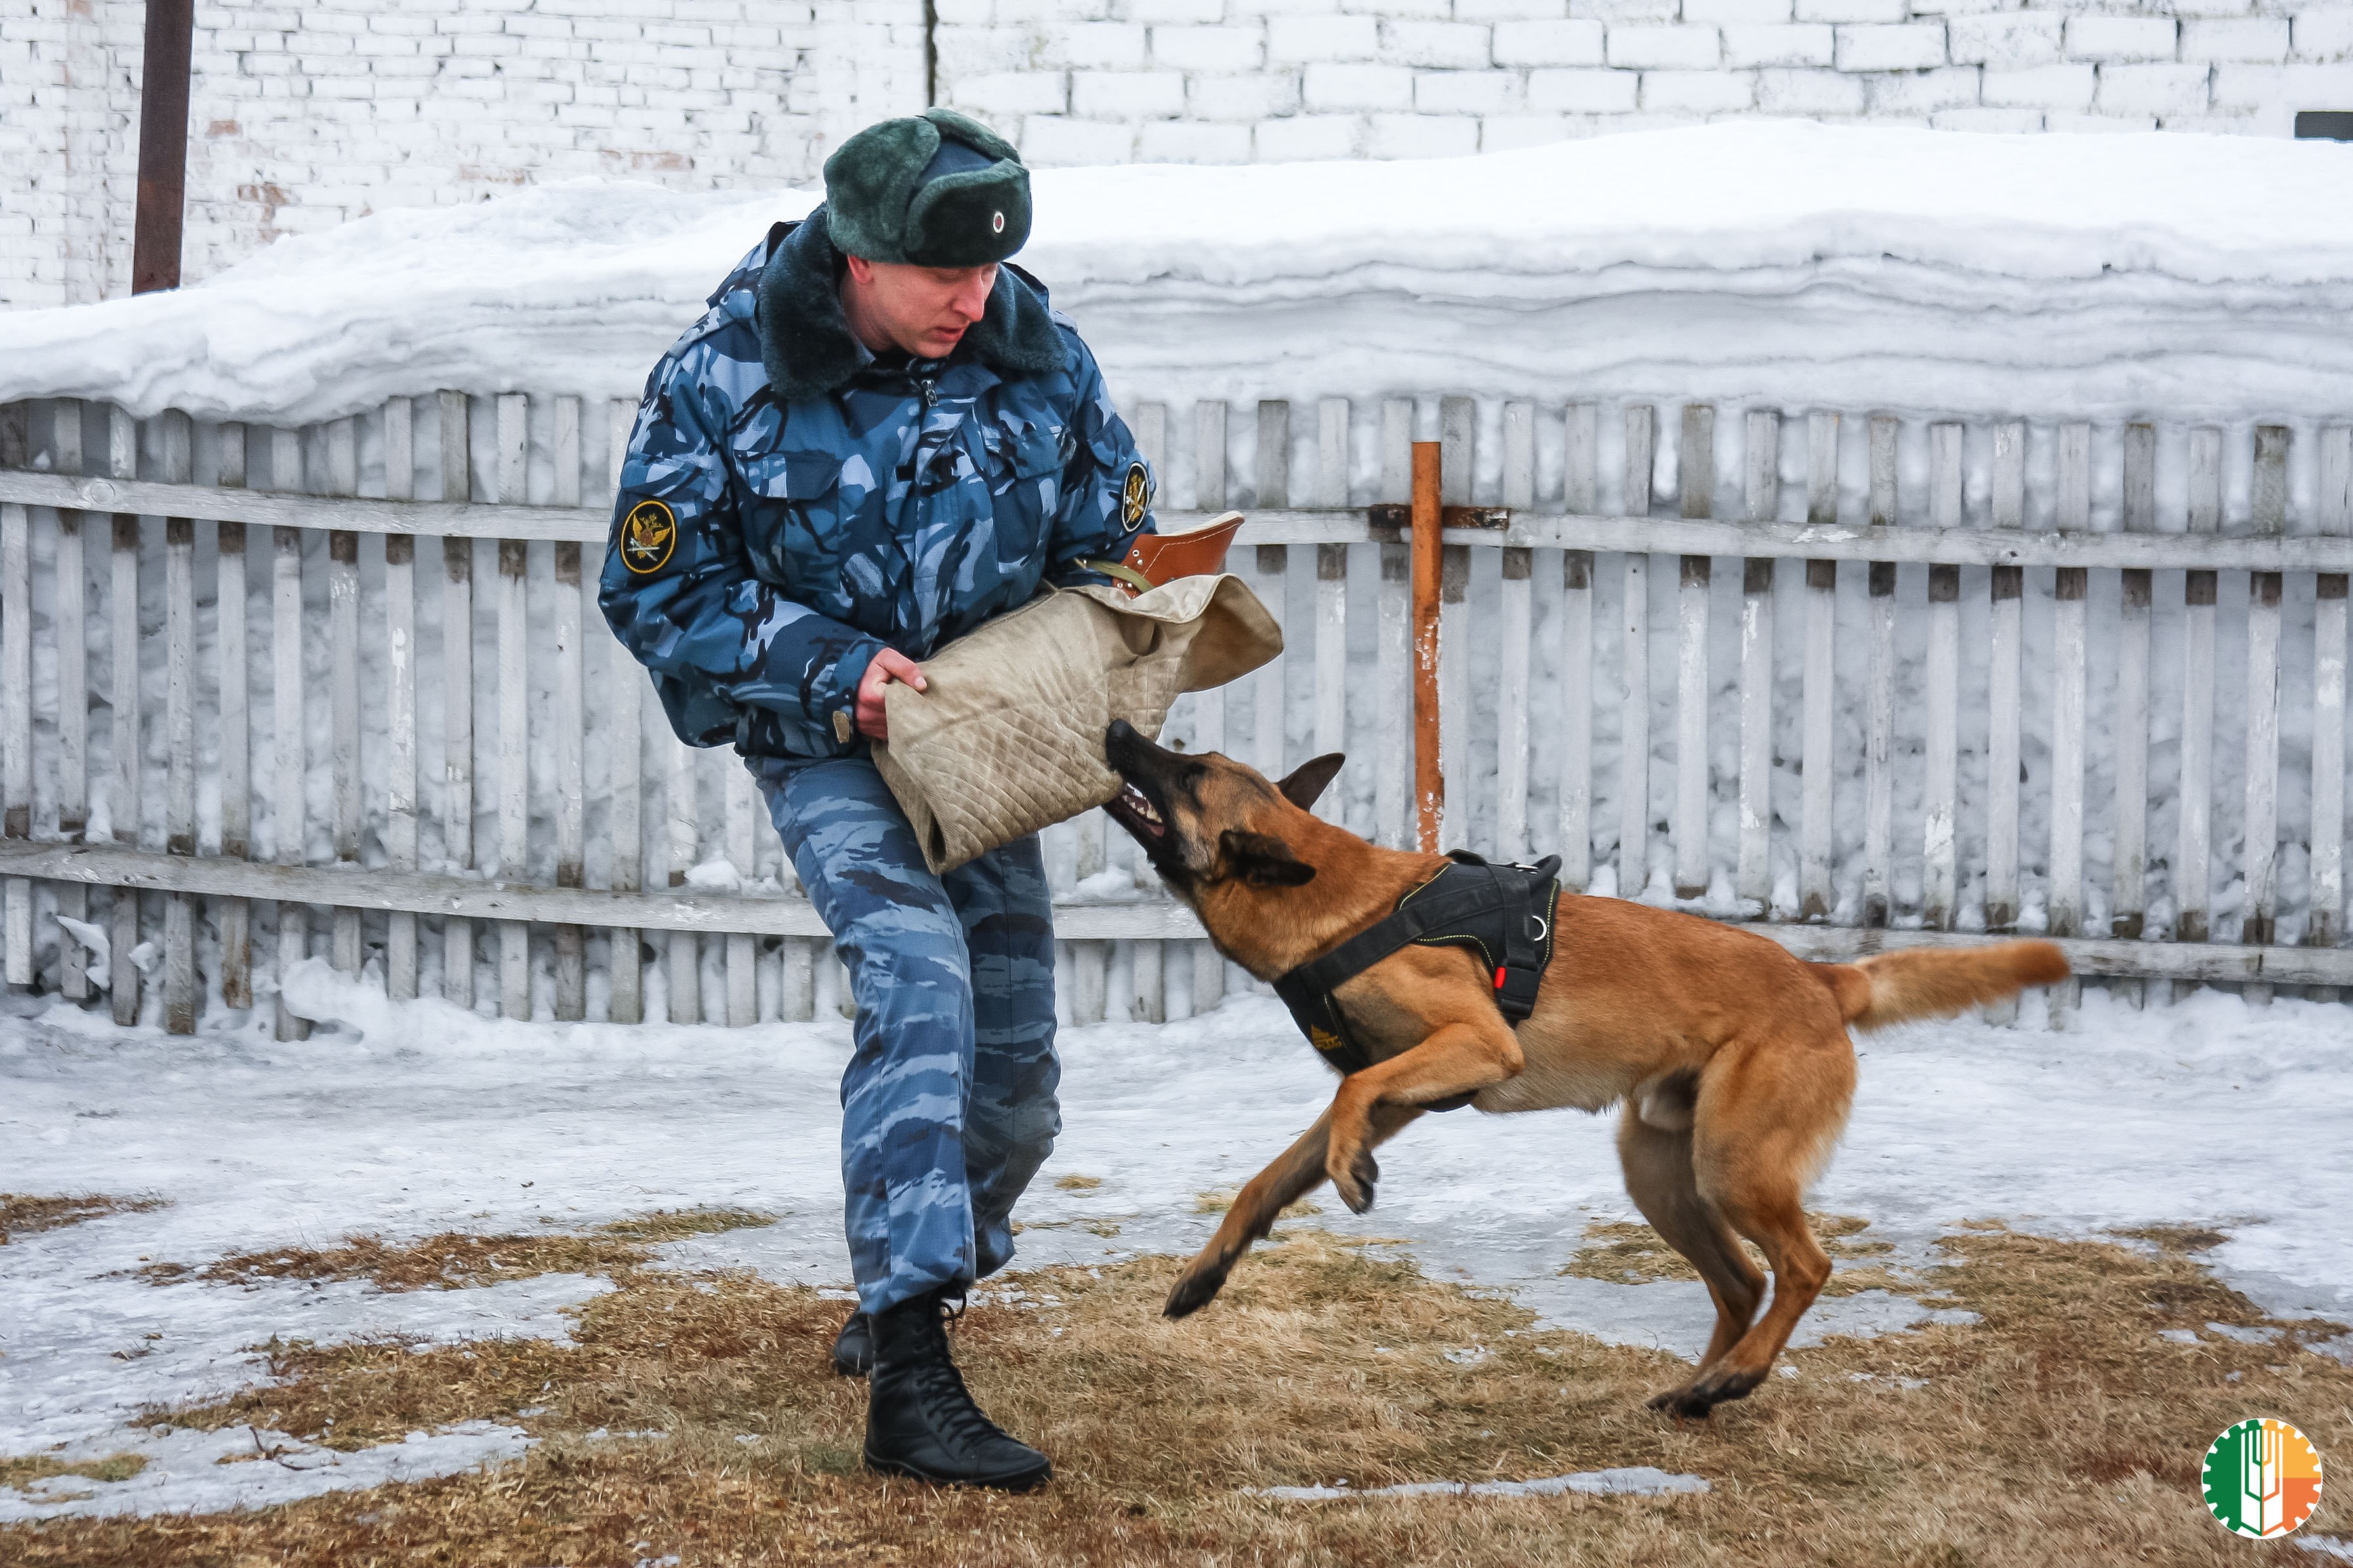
column 790, row 504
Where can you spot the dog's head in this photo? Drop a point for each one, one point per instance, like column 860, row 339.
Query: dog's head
column 1208, row 821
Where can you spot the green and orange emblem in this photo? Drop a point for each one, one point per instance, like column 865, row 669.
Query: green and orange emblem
column 2263, row 1479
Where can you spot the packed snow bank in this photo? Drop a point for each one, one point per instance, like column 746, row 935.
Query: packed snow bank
column 1783, row 262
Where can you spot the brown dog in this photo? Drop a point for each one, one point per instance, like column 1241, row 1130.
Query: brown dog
column 1730, row 1055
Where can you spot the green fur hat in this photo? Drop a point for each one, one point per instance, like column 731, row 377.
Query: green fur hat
column 937, row 189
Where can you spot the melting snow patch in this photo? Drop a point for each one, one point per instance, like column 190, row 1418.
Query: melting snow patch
column 1636, row 1480
column 2326, row 1546
column 2178, row 1336
column 209, row 1472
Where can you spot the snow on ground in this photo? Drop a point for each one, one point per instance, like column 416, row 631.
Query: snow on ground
column 410, row 1119
column 1781, row 262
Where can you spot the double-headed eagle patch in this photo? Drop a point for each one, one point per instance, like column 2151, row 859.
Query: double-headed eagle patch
column 1134, row 496
column 649, row 534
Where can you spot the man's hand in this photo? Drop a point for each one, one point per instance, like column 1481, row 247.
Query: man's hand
column 888, row 666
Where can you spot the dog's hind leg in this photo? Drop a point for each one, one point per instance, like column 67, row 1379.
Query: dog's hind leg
column 1658, row 1165
column 1298, row 1171
column 1766, row 1119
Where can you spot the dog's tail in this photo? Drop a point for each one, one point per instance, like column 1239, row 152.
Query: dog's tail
column 1937, row 982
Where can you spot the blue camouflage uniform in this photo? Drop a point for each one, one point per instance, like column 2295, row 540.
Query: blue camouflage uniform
column 790, row 505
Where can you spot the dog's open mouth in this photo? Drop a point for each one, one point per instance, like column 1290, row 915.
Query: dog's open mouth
column 1135, row 812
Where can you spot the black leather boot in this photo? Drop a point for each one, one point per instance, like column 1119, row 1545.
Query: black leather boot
column 921, row 1422
column 853, row 1348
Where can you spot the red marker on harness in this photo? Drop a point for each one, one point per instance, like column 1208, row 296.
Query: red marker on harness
column 1499, row 980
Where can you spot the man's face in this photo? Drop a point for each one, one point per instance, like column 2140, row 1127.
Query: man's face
column 925, row 310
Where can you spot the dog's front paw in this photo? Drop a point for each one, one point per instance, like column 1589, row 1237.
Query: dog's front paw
column 1354, row 1178
column 1195, row 1289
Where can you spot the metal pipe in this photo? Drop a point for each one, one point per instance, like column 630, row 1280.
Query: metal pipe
column 1429, row 777
column 162, row 145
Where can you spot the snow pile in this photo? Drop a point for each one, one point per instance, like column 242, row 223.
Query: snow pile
column 1782, row 262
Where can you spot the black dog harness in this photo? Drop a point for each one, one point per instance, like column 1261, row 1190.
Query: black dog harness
column 1505, row 913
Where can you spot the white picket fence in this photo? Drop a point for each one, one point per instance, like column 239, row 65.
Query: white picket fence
column 451, row 777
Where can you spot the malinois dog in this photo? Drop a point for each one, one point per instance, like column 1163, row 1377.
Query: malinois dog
column 1729, row 1055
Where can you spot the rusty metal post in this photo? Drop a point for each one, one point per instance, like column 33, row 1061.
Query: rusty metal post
column 1429, row 778
column 162, row 145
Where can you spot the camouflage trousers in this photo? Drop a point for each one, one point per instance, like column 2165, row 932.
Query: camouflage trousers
column 947, row 1107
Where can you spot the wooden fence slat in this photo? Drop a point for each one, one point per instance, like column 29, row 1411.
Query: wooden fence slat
column 1695, row 464
column 1761, row 487
column 1816, row 898
column 2007, row 626
column 287, row 814
column 1118, row 920
column 2191, row 877
column 567, row 723
column 1879, row 712
column 343, row 680
column 456, row 694
column 743, row 949
column 400, row 698
column 2068, row 675
column 1515, row 697
column 122, row 603
column 2129, row 873
column 1269, row 685
column 1635, row 704
column 1970, row 547
column 2325, row 925
column 684, row 952
column 1457, row 421
column 1580, row 474
column 1940, row 881
column 72, row 591
column 1332, row 607
column 624, row 691
column 17, row 723
column 2260, row 856
column 514, row 766
column 181, row 995
column 233, row 915
column 1392, row 780
column 514, row 701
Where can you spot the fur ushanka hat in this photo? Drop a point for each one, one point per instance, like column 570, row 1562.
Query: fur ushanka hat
column 936, row 189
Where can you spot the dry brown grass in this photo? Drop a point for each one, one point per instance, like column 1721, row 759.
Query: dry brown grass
column 27, row 1213
column 456, row 1260
column 1625, row 1253
column 2058, row 1430
column 18, row 1471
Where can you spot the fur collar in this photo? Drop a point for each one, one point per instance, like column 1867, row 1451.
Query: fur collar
column 808, row 347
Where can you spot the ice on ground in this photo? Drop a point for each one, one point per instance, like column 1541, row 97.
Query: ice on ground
column 1633, row 1481
column 414, row 1118
column 1783, row 262
column 239, row 1467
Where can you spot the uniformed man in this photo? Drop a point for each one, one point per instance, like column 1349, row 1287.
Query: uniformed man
column 878, row 438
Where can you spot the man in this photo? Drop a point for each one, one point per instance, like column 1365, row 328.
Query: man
column 876, row 439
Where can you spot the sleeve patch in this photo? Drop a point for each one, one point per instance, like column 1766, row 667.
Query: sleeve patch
column 1135, row 495
column 649, row 534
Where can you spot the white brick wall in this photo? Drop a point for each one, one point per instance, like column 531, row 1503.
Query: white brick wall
column 302, row 116
column 1374, row 79
column 306, row 115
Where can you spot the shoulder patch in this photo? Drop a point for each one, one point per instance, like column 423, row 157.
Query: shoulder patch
column 1135, row 495
column 649, row 534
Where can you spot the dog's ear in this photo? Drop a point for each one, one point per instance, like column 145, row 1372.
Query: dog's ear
column 1311, row 778
column 1263, row 860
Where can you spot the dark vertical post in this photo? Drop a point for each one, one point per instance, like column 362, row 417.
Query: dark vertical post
column 162, row 145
